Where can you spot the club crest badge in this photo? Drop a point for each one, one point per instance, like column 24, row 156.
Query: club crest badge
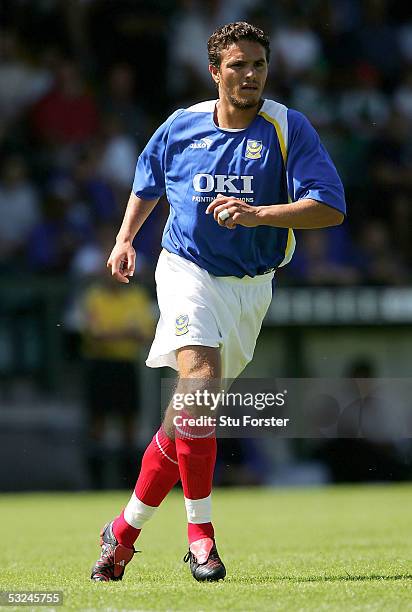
column 254, row 149
column 182, row 325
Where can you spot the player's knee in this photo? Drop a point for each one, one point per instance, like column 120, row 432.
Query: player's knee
column 195, row 394
column 199, row 362
column 199, row 377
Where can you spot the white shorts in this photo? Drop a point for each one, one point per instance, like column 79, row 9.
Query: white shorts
column 197, row 308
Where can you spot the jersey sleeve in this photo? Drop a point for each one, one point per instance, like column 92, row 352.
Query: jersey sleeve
column 149, row 177
column 309, row 169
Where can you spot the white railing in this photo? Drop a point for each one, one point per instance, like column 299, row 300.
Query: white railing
column 340, row 306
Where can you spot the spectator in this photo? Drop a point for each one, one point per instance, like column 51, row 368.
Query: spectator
column 119, row 100
column 116, row 323
column 402, row 97
column 401, row 223
column 56, row 237
column 405, row 41
column 92, row 189
column 192, row 24
column 118, row 156
column 391, row 160
column 382, row 264
column 296, row 48
column 361, row 449
column 364, row 107
column 19, row 209
column 376, row 34
column 325, row 258
column 21, row 83
column 312, row 98
column 68, row 114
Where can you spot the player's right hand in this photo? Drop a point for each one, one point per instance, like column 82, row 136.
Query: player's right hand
column 122, row 261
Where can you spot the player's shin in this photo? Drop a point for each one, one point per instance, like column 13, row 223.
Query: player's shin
column 158, row 474
column 196, row 453
column 197, row 457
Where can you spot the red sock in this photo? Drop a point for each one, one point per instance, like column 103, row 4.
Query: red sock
column 159, row 472
column 124, row 533
column 197, row 458
column 197, row 532
column 158, row 475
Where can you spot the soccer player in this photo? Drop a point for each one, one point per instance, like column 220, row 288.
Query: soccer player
column 239, row 172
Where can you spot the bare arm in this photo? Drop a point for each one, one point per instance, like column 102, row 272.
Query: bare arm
column 123, row 256
column 303, row 214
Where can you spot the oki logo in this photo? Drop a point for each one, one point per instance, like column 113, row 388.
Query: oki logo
column 222, row 183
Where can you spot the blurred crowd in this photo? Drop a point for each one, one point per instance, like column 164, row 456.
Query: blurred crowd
column 83, row 84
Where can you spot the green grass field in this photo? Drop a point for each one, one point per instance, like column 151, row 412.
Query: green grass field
column 314, row 549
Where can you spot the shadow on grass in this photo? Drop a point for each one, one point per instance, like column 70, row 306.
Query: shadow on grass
column 347, row 578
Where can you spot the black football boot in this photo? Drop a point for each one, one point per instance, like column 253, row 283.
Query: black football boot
column 205, row 563
column 113, row 558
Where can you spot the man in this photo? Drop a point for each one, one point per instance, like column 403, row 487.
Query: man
column 229, row 168
column 117, row 322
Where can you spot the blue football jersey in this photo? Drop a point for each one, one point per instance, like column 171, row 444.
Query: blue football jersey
column 277, row 159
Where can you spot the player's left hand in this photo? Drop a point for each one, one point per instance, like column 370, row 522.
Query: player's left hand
column 240, row 212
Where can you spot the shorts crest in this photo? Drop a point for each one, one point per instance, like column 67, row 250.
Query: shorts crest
column 182, row 324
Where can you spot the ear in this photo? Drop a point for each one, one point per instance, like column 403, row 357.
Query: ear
column 215, row 73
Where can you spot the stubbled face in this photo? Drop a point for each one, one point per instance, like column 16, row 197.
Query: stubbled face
column 242, row 74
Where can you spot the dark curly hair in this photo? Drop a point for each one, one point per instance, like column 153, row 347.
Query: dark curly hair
column 229, row 34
